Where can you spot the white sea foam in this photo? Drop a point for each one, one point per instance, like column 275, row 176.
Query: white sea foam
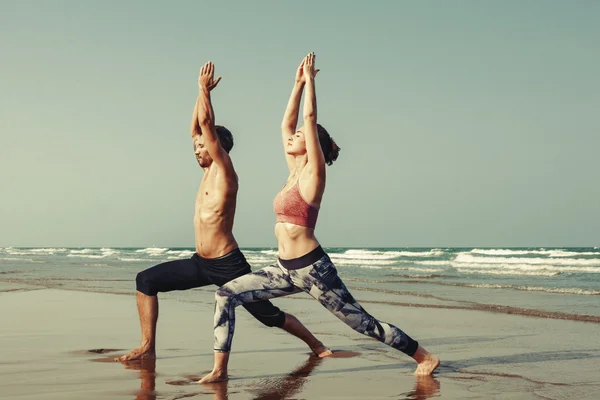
column 419, row 269
column 270, row 252
column 560, row 253
column 40, row 251
column 48, row 250
column 153, row 251
column 536, row 289
column 109, row 251
column 514, row 272
column 126, row 259
column 259, row 260
column 17, row 259
column 433, row 262
column 506, row 252
column 84, row 251
column 549, row 253
column 342, row 261
column 468, row 258
column 87, row 255
column 17, row 253
column 392, row 268
column 526, row 267
column 385, row 255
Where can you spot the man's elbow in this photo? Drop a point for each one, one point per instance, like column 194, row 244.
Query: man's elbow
column 205, row 122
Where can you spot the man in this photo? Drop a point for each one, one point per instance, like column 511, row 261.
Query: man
column 218, row 258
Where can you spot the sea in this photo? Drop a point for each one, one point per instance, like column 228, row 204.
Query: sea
column 558, row 283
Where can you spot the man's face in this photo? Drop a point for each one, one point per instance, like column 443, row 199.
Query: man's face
column 204, row 159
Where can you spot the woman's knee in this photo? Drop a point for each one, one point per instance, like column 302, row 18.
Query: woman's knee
column 225, row 297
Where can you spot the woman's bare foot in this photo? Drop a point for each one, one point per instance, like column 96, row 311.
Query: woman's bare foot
column 428, row 365
column 427, row 362
column 321, row 350
column 141, row 353
column 215, row 376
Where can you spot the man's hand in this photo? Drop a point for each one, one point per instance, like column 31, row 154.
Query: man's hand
column 206, row 77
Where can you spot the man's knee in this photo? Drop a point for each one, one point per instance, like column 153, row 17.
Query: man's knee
column 145, row 284
column 272, row 321
column 277, row 321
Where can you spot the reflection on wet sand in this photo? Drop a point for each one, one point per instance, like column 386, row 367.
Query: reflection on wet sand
column 282, row 388
column 147, row 370
column 425, row 388
column 273, row 389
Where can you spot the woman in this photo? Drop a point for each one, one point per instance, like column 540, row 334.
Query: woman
column 302, row 263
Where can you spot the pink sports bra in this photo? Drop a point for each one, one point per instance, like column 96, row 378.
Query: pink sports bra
column 290, row 207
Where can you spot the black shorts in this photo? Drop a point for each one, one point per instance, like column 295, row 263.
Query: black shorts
column 197, row 272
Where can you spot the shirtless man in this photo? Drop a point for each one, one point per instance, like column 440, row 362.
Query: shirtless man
column 218, row 258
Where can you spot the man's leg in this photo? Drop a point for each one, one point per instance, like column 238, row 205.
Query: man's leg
column 293, row 326
column 148, row 311
column 165, row 277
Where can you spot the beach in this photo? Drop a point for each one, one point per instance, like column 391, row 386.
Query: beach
column 58, row 344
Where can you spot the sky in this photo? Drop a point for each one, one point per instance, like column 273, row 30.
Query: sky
column 461, row 123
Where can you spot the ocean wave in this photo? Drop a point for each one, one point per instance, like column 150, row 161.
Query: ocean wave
column 470, row 259
column 527, row 267
column 577, row 291
column 419, row 269
column 48, row 250
column 429, row 270
column 433, row 262
column 505, row 252
column 87, row 255
column 255, row 260
column 549, row 253
column 385, row 255
column 83, row 251
column 561, row 253
column 18, row 259
column 41, row 251
column 153, row 251
column 351, row 261
column 179, row 253
column 514, row 272
column 127, row 259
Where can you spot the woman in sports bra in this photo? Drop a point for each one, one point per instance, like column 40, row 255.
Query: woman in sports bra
column 302, row 265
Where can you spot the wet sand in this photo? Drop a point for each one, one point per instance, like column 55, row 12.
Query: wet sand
column 57, row 344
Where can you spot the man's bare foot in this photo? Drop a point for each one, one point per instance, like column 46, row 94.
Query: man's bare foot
column 321, row 350
column 141, row 353
column 214, row 376
column 429, row 363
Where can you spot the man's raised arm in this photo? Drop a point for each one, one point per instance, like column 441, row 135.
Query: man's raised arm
column 206, row 116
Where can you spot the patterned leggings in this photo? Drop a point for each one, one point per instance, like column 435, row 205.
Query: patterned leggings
column 321, row 281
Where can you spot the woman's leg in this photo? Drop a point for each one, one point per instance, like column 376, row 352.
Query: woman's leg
column 323, row 283
column 264, row 284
